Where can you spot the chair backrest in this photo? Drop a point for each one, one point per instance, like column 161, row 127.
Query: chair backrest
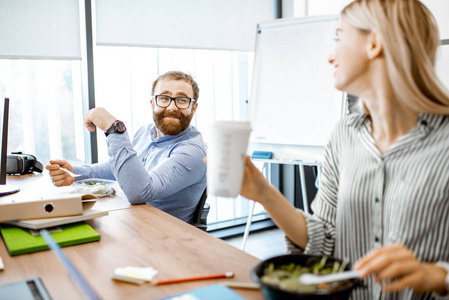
column 201, row 212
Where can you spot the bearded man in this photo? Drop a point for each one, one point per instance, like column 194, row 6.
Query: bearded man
column 163, row 165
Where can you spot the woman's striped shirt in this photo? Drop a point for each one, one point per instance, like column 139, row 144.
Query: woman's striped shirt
column 367, row 200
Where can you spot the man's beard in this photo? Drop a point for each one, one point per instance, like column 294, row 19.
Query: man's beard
column 171, row 127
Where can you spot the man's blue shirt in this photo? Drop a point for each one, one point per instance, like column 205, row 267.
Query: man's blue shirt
column 166, row 172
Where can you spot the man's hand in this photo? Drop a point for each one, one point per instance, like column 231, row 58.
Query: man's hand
column 58, row 176
column 399, row 264
column 98, row 117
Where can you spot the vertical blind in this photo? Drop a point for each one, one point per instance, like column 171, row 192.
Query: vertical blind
column 42, row 29
column 194, row 24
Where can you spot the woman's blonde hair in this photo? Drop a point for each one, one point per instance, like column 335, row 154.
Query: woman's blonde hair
column 410, row 40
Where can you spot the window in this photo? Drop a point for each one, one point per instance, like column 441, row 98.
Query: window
column 303, row 8
column 46, row 81
column 45, row 108
column 123, row 81
column 442, row 63
column 438, row 8
column 223, row 78
column 40, row 71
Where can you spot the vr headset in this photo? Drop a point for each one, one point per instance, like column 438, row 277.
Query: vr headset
column 19, row 163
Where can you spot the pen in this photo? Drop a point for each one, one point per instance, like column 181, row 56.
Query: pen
column 68, row 264
column 205, row 277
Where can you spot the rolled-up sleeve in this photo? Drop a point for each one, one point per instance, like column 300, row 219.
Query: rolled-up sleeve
column 99, row 170
column 183, row 167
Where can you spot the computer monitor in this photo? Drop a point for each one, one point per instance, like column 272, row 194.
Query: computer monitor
column 4, row 118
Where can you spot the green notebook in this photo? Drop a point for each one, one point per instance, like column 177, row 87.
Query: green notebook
column 20, row 240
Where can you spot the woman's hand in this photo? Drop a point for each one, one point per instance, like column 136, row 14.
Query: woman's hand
column 254, row 185
column 399, row 264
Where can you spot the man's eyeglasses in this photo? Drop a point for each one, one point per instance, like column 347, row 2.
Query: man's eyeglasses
column 180, row 102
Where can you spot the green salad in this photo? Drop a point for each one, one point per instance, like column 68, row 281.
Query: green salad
column 93, row 183
column 286, row 277
column 96, row 187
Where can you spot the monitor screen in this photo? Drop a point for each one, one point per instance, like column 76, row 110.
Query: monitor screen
column 4, row 118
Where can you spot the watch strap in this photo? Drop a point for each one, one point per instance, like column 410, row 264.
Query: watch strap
column 114, row 129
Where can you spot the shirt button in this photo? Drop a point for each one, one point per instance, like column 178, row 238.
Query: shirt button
column 376, row 239
column 377, row 200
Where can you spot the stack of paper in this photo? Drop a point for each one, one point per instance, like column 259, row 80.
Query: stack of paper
column 51, row 222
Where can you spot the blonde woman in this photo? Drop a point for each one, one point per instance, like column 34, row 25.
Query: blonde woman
column 383, row 200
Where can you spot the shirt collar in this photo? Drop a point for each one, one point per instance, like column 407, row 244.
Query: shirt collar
column 358, row 119
column 426, row 121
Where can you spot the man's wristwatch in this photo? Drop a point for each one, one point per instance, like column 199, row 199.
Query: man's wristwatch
column 445, row 266
column 116, row 127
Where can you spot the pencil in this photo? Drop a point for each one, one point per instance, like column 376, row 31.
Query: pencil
column 205, row 277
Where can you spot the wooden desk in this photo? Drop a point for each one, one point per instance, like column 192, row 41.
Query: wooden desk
column 140, row 236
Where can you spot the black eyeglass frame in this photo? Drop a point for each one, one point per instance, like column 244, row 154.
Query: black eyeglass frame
column 173, row 99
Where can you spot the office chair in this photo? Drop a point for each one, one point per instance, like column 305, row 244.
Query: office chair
column 201, row 212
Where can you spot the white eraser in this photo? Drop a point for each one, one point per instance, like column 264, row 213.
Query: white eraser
column 123, row 275
column 2, row 266
column 134, row 274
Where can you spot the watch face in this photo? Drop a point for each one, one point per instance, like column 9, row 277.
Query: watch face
column 119, row 126
column 116, row 127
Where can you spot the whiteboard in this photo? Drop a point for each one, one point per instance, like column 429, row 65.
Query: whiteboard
column 293, row 100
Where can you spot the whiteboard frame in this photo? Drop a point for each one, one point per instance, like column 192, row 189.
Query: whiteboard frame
column 287, row 151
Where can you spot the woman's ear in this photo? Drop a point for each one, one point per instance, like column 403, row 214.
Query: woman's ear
column 374, row 44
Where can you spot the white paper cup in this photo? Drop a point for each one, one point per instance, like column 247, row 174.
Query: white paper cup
column 228, row 142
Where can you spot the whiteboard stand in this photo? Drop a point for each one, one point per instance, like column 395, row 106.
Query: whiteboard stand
column 248, row 225
column 267, row 168
column 302, row 178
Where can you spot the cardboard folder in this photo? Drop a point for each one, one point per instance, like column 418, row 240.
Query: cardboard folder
column 48, row 207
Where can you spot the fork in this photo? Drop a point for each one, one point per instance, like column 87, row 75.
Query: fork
column 308, row 278
column 69, row 172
